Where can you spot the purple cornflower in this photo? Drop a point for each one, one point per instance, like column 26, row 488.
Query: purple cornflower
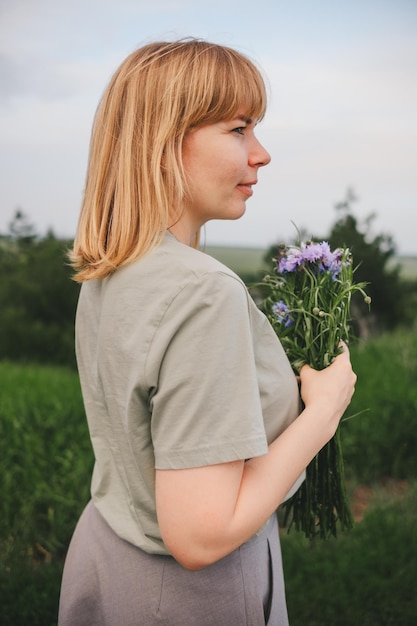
column 281, row 312
column 330, row 260
column 312, row 252
column 318, row 256
column 290, row 261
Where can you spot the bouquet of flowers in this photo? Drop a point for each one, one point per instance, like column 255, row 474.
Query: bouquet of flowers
column 308, row 304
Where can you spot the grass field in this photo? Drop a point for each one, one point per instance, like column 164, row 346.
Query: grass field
column 240, row 260
column 251, row 260
column 408, row 266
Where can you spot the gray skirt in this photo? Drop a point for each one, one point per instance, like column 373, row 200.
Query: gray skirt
column 110, row 582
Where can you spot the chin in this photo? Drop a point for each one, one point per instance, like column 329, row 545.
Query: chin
column 229, row 215
column 236, row 214
column 240, row 214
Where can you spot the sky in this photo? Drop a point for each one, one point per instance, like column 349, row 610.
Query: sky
column 342, row 82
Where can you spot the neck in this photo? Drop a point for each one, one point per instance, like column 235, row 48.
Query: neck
column 184, row 234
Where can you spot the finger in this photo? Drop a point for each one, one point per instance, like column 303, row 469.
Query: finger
column 304, row 369
column 345, row 352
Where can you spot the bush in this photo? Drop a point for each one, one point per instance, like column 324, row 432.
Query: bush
column 37, row 297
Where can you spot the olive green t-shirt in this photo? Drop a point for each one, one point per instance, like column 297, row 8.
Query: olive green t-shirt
column 178, row 369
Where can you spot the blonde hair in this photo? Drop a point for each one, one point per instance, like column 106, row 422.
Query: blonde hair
column 135, row 181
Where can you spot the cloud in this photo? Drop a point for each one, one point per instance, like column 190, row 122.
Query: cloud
column 371, row 90
column 343, row 108
column 52, row 50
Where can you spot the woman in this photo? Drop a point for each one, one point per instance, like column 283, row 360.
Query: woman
column 192, row 406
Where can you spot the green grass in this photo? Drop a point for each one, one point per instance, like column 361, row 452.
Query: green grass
column 45, row 459
column 365, row 578
column 45, row 468
column 408, row 266
column 382, row 441
column 29, row 594
column 243, row 261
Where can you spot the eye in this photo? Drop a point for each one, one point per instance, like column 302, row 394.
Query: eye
column 239, row 130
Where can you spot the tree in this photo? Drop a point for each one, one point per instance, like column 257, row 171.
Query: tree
column 37, row 297
column 373, row 258
column 21, row 228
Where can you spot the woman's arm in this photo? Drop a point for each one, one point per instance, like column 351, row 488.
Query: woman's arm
column 207, row 512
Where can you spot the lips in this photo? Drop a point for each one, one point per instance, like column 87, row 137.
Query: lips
column 246, row 188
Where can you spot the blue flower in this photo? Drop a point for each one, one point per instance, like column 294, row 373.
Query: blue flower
column 281, row 312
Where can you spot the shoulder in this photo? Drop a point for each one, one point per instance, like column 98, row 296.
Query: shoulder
column 171, row 267
column 172, row 273
column 188, row 261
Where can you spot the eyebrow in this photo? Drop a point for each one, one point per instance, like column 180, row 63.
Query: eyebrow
column 247, row 120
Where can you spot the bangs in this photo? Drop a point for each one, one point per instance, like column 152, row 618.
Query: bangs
column 225, row 83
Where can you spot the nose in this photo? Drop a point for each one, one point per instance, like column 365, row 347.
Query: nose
column 258, row 157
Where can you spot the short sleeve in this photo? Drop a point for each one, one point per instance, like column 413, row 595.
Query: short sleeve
column 204, row 395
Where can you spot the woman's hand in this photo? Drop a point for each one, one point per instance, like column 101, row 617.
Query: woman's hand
column 329, row 391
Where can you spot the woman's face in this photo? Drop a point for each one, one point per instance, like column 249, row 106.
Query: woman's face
column 221, row 163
